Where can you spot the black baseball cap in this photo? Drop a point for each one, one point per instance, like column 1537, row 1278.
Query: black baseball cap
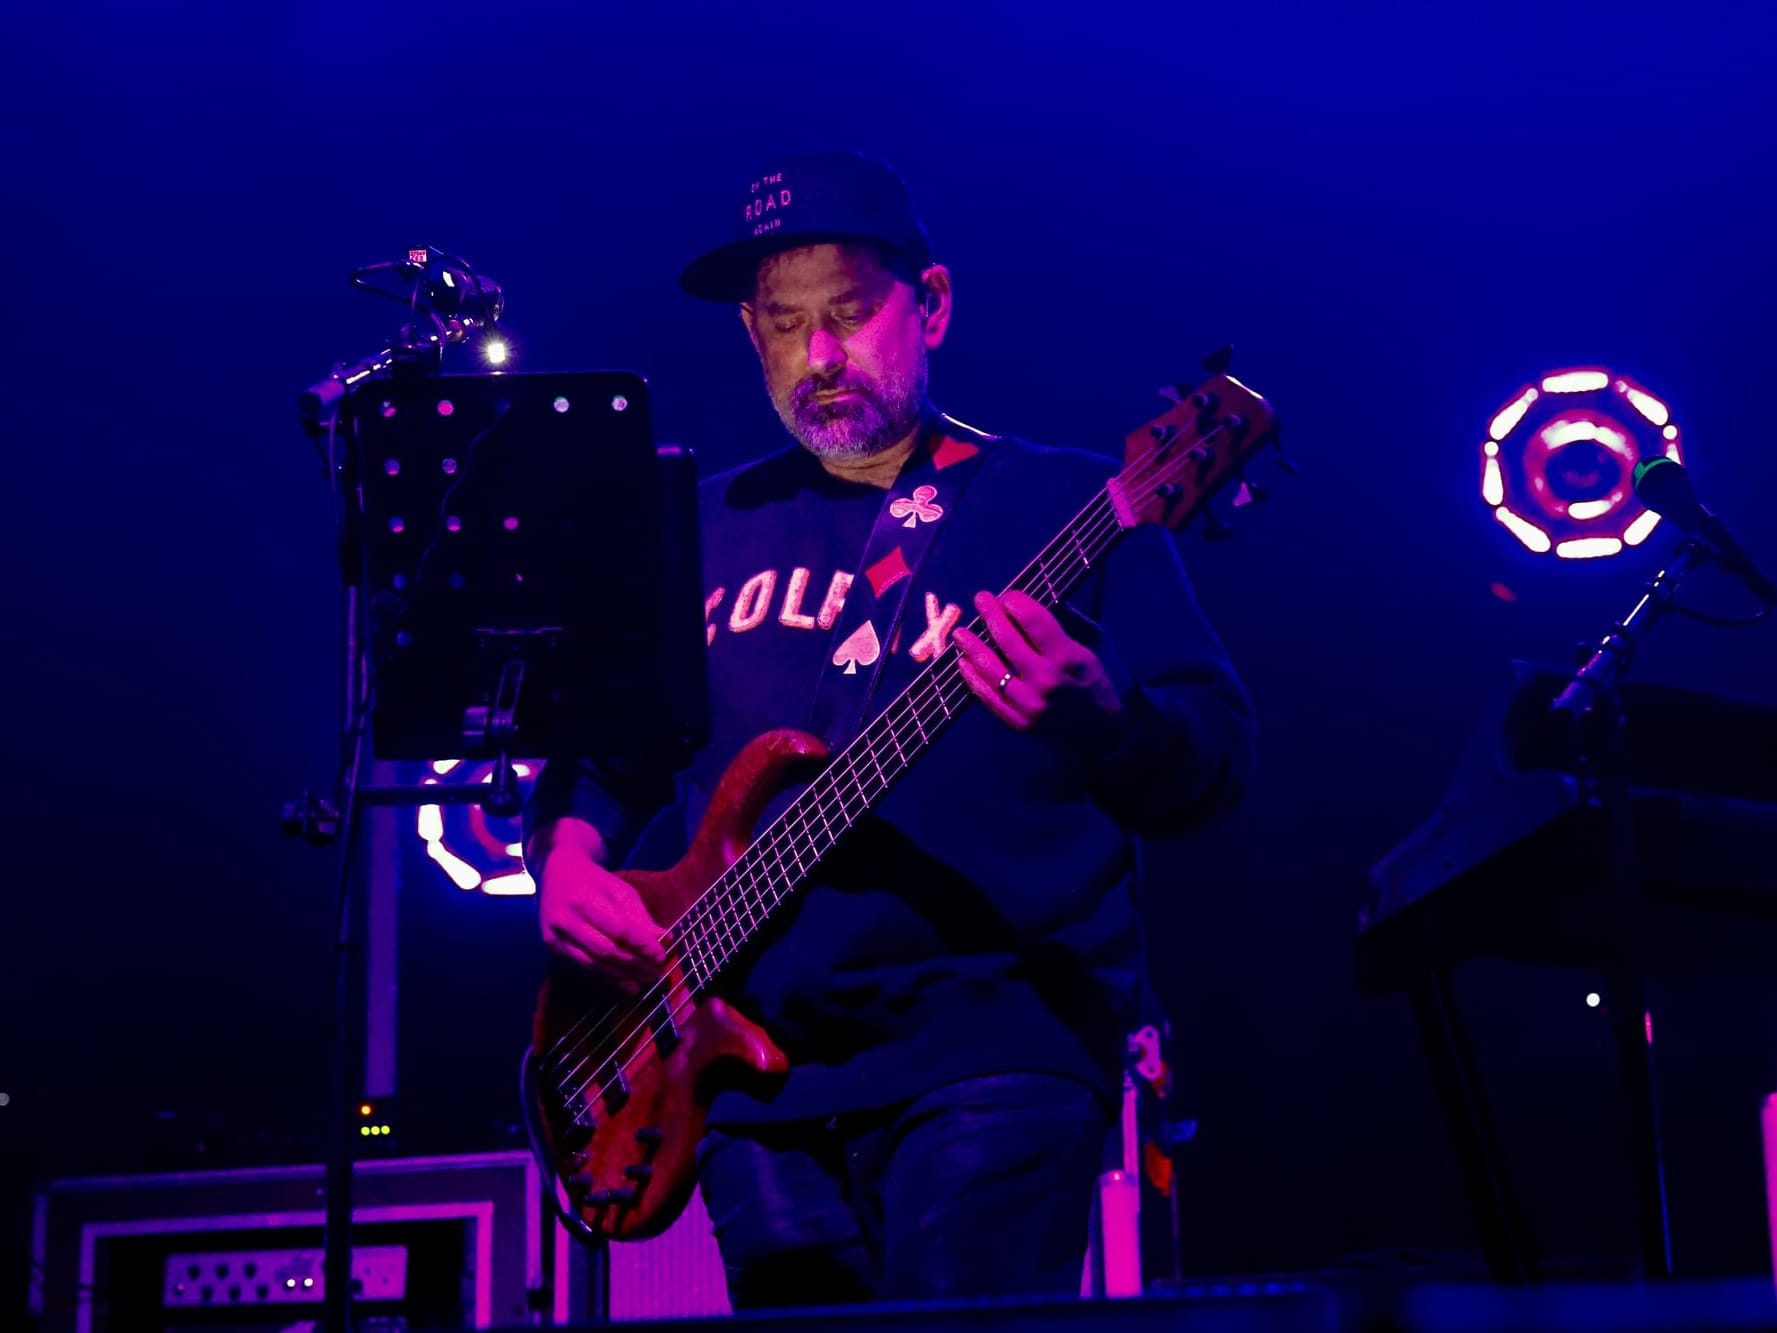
column 837, row 196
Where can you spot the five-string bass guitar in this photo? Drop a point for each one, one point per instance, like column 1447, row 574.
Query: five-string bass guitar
column 616, row 1087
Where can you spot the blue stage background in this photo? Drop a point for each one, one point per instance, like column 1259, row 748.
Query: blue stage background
column 1398, row 217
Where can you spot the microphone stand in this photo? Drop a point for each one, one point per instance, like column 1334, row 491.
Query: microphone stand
column 1593, row 704
column 322, row 821
column 1597, row 678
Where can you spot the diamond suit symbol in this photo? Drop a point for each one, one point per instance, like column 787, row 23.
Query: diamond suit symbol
column 887, row 572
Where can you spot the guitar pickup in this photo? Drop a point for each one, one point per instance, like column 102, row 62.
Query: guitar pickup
column 666, row 1031
column 616, row 1090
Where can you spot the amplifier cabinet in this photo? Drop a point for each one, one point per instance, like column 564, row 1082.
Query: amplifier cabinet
column 439, row 1242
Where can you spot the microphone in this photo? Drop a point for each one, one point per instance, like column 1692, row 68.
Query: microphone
column 453, row 290
column 461, row 302
column 1665, row 487
column 449, row 285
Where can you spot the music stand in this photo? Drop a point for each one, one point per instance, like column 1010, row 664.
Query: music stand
column 523, row 578
column 529, row 561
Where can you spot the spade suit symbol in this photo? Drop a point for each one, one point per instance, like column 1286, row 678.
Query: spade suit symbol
column 861, row 648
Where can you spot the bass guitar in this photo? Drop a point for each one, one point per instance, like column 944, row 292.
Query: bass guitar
column 616, row 1088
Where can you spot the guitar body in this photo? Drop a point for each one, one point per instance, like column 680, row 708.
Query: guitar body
column 626, row 1157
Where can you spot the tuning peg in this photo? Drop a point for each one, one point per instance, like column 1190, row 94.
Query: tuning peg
column 1250, row 493
column 1174, row 393
column 1218, row 361
column 1215, row 529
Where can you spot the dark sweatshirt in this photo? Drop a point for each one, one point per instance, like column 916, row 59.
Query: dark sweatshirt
column 984, row 918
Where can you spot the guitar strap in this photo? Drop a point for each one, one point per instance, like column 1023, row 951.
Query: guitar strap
column 914, row 513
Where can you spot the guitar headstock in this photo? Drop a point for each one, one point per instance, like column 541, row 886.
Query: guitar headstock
column 1174, row 463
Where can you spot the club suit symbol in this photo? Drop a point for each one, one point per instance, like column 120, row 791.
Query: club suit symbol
column 919, row 509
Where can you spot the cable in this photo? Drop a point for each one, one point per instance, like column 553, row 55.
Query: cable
column 1724, row 622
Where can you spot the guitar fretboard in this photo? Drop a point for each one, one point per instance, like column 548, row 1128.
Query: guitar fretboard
column 732, row 910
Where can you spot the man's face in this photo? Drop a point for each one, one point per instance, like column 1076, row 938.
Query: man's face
column 844, row 348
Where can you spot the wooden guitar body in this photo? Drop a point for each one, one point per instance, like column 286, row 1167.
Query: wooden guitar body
column 625, row 1151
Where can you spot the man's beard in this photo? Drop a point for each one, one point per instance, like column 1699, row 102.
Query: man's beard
column 874, row 417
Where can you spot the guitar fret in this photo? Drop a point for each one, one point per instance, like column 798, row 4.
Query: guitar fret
column 741, row 900
column 692, row 956
column 731, row 911
column 719, row 938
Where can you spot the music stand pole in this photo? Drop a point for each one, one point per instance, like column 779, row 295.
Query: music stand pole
column 347, row 1072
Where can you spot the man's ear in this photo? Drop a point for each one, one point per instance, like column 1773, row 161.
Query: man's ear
column 936, row 302
column 746, row 317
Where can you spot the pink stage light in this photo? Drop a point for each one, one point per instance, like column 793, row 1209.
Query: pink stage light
column 1575, row 381
column 1650, row 407
column 1557, row 465
column 1523, row 529
column 1636, row 533
column 462, row 874
column 1507, row 419
column 475, row 851
column 1493, row 488
column 1589, row 548
column 1584, row 509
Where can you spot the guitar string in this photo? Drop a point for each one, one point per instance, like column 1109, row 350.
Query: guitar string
column 711, row 925
column 682, row 997
column 750, row 873
column 710, row 922
column 706, row 942
column 728, row 932
column 697, row 928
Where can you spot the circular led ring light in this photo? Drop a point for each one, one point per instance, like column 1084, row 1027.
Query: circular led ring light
column 1558, row 462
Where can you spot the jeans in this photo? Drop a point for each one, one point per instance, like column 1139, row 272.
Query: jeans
column 980, row 1188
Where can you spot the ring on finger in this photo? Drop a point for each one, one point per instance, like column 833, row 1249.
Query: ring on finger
column 1005, row 680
